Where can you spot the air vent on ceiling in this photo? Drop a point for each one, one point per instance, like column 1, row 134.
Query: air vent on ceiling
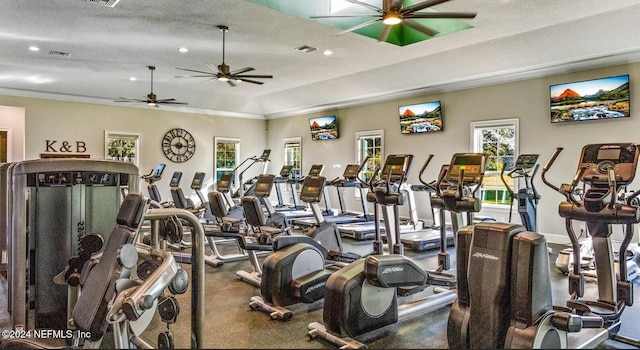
column 305, row 48
column 109, row 3
column 59, row 53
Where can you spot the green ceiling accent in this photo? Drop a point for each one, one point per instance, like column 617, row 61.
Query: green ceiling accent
column 400, row 34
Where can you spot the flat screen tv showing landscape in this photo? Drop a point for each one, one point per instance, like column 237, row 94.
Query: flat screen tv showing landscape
column 597, row 99
column 420, row 118
column 324, row 128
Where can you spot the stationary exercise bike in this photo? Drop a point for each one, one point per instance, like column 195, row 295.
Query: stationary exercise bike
column 364, row 296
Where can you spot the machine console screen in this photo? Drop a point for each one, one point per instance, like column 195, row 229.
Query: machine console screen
column 316, row 170
column 398, row 166
column 263, row 185
column 286, row 170
column 471, row 163
column 312, row 188
column 223, row 183
column 351, row 171
column 597, row 159
column 198, row 178
column 175, row 179
column 526, row 161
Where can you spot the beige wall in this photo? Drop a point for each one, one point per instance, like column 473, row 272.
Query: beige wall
column 526, row 100
column 72, row 121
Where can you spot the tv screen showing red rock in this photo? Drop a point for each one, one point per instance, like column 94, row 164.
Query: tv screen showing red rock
column 598, row 99
column 420, row 118
column 324, row 128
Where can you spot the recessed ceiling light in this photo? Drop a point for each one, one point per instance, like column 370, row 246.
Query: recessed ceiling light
column 133, row 78
column 34, row 48
column 328, row 52
column 183, row 50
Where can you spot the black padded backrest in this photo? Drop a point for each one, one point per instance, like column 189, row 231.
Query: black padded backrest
column 179, row 200
column 90, row 311
column 154, row 194
column 253, row 211
column 131, row 210
column 217, row 204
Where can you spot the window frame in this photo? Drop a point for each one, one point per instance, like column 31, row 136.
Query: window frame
column 476, row 129
column 222, row 139
column 360, row 136
column 297, row 171
column 109, row 134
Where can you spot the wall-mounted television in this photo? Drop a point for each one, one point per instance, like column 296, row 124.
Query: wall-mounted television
column 324, row 128
column 421, row 118
column 597, row 99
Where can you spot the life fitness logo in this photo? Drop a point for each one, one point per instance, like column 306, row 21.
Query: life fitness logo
column 393, row 269
column 485, row 256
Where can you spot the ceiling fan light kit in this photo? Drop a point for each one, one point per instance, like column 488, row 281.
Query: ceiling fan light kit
column 224, row 72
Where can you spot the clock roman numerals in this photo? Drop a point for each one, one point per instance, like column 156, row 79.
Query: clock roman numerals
column 178, row 145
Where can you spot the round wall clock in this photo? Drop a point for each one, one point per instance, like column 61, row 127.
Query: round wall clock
column 178, row 145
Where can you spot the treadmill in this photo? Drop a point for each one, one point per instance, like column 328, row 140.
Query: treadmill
column 349, row 180
column 284, row 177
column 366, row 230
column 430, row 238
column 316, row 170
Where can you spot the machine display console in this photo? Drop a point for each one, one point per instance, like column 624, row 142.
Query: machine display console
column 473, row 165
column 351, row 171
column 286, row 170
column 597, row 159
column 397, row 166
column 316, row 170
column 265, row 155
column 526, row 161
column 312, row 189
column 264, row 183
column 198, row 179
column 224, row 182
column 157, row 172
column 175, row 179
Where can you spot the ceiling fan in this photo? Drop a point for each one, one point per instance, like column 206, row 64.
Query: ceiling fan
column 152, row 99
column 393, row 12
column 224, row 72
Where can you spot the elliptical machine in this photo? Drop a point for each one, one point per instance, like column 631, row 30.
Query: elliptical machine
column 504, row 290
column 297, row 271
column 363, row 296
column 527, row 196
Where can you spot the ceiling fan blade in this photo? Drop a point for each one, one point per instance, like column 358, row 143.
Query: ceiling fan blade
column 242, row 70
column 193, row 70
column 364, row 4
column 422, row 5
column 125, row 99
column 166, row 100
column 361, row 25
column 419, row 27
column 252, row 76
column 251, row 81
column 384, row 34
column 231, row 82
column 441, row 15
column 209, row 75
column 171, row 103
column 347, row 16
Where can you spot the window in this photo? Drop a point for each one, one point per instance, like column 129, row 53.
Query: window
column 293, row 155
column 370, row 143
column 121, row 146
column 226, row 156
column 498, row 140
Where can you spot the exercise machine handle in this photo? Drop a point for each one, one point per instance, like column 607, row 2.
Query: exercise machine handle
column 547, row 166
column 536, row 195
column 511, row 193
column 362, row 164
column 428, row 185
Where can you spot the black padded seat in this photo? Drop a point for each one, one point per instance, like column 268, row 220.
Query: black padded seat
column 255, row 217
column 219, row 209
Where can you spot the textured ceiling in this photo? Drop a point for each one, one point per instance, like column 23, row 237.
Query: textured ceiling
column 509, row 40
